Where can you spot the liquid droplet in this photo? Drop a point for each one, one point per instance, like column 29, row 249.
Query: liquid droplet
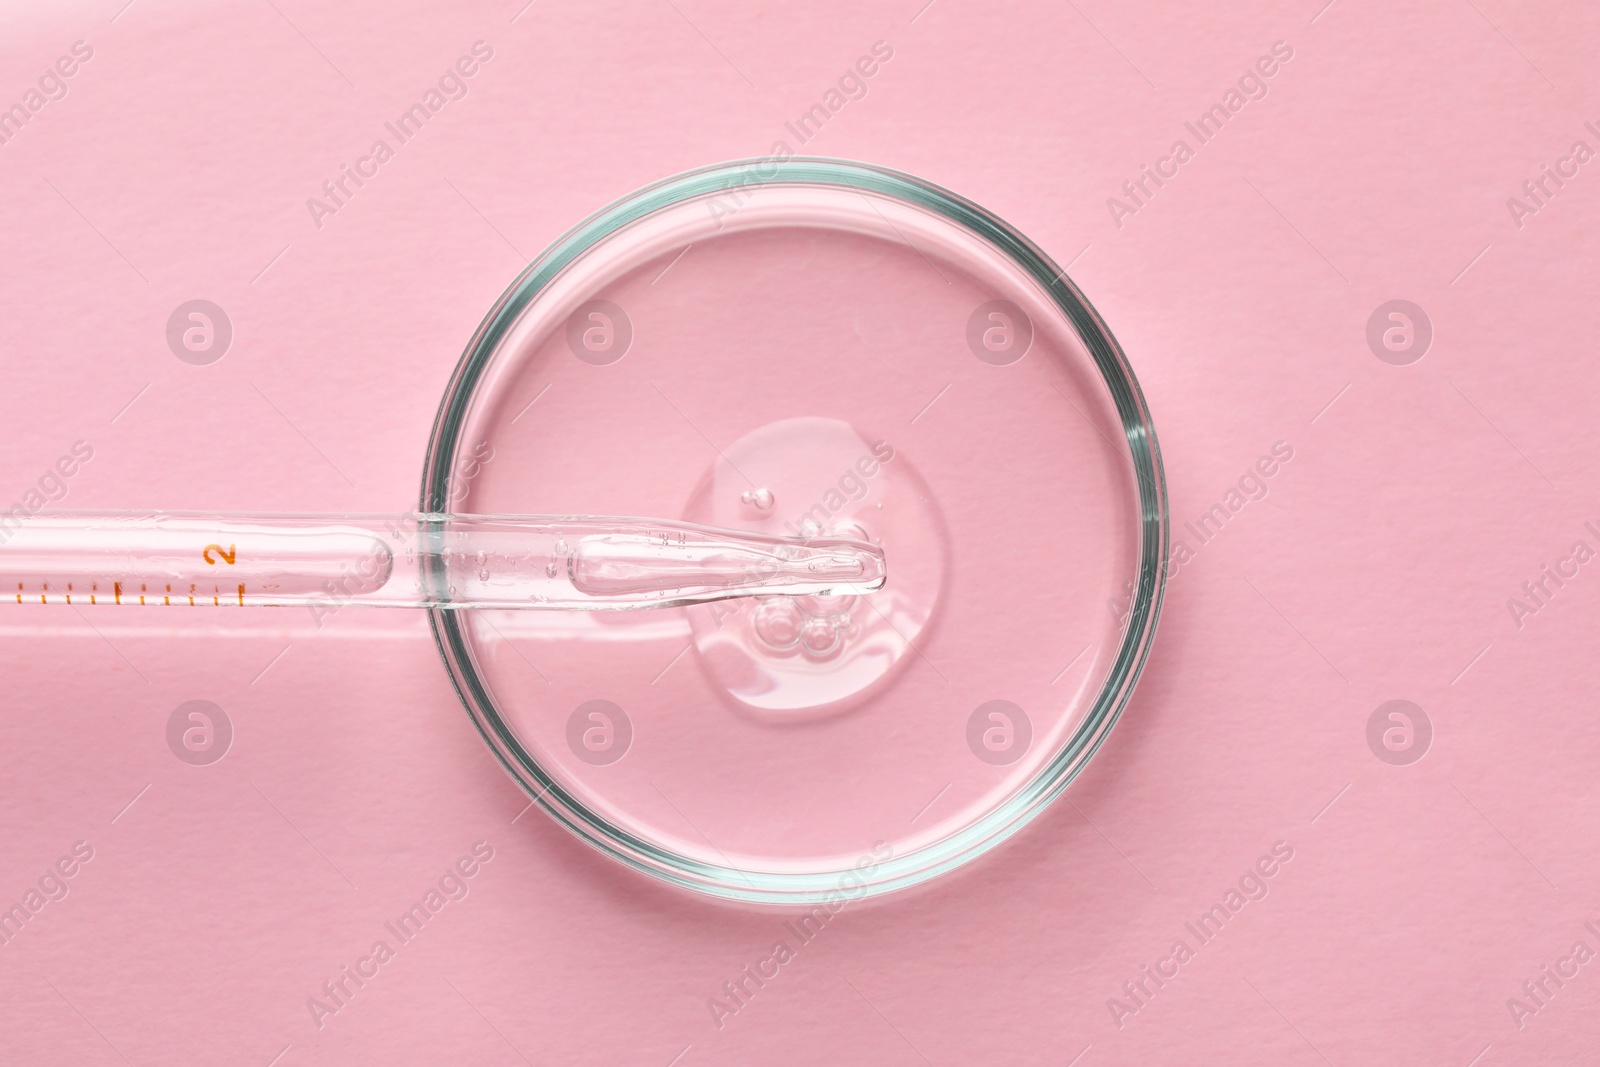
column 842, row 645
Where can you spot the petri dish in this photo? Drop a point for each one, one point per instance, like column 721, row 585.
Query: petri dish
column 809, row 347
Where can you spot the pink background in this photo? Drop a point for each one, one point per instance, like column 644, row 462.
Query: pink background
column 1419, row 499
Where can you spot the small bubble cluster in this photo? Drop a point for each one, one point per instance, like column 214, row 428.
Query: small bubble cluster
column 817, row 627
column 789, row 625
column 558, row 555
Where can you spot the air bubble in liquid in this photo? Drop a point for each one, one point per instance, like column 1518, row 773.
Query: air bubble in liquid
column 819, row 637
column 777, row 622
column 762, row 499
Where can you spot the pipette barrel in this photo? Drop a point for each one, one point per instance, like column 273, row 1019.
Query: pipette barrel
column 412, row 560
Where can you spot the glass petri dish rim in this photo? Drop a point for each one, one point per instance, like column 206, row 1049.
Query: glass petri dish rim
column 898, row 871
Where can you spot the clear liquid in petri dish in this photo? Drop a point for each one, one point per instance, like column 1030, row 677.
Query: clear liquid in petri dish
column 851, row 377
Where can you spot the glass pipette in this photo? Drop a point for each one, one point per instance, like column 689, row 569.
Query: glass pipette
column 583, row 563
